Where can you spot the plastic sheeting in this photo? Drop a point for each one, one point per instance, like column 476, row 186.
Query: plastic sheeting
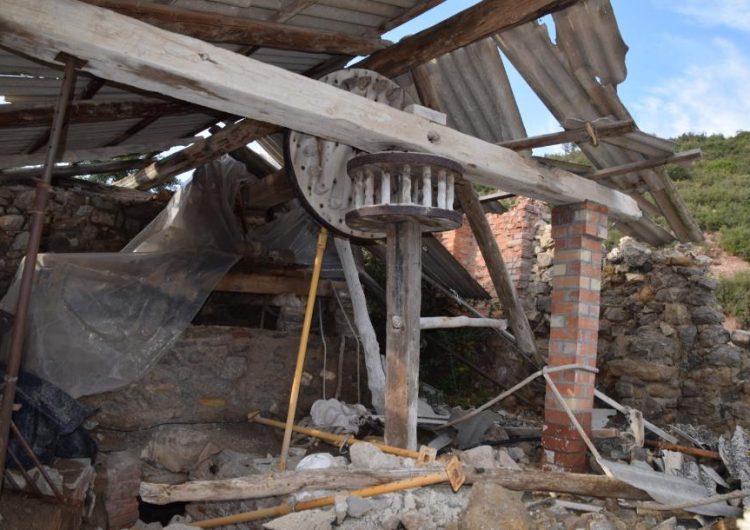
column 100, row 321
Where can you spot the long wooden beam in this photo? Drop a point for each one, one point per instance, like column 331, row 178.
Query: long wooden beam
column 256, row 283
column 579, row 135
column 648, row 163
column 226, row 140
column 222, row 29
column 132, row 52
column 97, row 153
column 40, row 114
column 76, row 169
column 470, row 25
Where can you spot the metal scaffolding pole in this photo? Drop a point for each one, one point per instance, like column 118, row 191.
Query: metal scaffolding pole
column 18, row 332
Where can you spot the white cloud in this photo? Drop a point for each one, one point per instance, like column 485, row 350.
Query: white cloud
column 729, row 13
column 709, row 98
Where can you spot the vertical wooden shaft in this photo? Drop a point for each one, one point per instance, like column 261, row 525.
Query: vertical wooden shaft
column 403, row 299
column 297, row 381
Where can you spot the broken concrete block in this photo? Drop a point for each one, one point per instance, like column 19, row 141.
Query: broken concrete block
column 358, row 506
column 178, row 449
column 366, row 456
column 491, row 506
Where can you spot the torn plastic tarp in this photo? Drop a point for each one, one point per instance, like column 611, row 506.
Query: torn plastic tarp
column 100, row 321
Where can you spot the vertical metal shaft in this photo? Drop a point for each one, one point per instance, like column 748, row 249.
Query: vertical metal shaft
column 18, row 331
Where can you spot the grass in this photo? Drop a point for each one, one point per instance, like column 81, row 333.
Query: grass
column 733, row 294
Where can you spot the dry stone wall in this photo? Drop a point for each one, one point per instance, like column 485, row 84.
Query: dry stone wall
column 81, row 217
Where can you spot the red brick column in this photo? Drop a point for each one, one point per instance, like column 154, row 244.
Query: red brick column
column 578, row 231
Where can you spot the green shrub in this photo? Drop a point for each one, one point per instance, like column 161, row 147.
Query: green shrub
column 736, row 241
column 733, row 294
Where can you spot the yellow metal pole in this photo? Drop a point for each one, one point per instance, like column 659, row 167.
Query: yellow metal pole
column 296, row 382
column 453, row 474
column 334, row 439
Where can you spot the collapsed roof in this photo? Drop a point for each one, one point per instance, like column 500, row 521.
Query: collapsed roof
column 576, row 78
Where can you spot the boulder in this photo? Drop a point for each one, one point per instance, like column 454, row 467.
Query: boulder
column 491, row 507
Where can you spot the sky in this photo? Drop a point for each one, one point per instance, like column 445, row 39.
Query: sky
column 688, row 65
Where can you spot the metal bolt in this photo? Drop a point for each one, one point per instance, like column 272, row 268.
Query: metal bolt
column 396, row 322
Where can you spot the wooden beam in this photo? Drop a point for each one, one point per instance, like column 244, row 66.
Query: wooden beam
column 228, row 139
column 461, row 322
column 40, row 114
column 472, row 24
column 222, row 29
column 273, row 190
column 290, row 9
column 288, row 482
column 257, row 283
column 128, row 51
column 580, row 135
column 76, row 169
column 648, row 163
column 97, row 153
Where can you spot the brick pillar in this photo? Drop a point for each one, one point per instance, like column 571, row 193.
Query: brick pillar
column 578, row 231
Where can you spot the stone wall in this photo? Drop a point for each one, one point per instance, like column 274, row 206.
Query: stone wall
column 218, row 373
column 81, row 217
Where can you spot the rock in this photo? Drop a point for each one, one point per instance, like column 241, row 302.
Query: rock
column 709, row 283
column 178, row 449
column 687, row 334
column 650, row 343
column 725, row 355
column 485, row 457
column 493, row 507
column 643, row 370
column 666, row 329
column 309, row 520
column 634, row 277
column 358, row 506
column 11, row 223
column 712, row 335
column 672, row 294
column 20, row 241
column 646, row 294
column 741, row 337
column 634, row 254
column 366, row 456
column 616, row 314
column 544, row 259
column 707, row 315
column 412, row 520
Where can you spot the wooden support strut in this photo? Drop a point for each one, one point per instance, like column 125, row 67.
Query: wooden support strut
column 211, row 27
column 460, row 322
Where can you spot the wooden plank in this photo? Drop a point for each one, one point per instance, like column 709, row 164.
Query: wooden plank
column 365, row 329
column 75, row 170
column 40, row 114
column 97, row 153
column 128, row 51
column 258, row 283
column 290, row 9
column 286, row 483
column 414, row 11
column 460, row 322
column 580, row 135
column 648, row 163
column 273, row 190
column 228, row 139
column 472, row 24
column 403, row 303
column 222, row 29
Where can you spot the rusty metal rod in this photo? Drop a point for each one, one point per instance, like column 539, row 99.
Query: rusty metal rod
column 30, row 481
column 37, row 463
column 694, row 451
column 18, row 331
column 334, row 439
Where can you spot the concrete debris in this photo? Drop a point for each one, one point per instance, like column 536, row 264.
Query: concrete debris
column 485, row 457
column 366, row 456
column 309, row 520
column 333, row 414
column 491, row 506
column 178, row 449
column 358, row 506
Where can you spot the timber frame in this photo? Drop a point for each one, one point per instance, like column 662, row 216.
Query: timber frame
column 256, row 75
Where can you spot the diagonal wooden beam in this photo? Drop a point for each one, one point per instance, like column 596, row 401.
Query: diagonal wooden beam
column 39, row 114
column 97, row 153
column 243, row 31
column 112, row 166
column 479, row 21
column 126, row 50
column 579, row 135
column 684, row 157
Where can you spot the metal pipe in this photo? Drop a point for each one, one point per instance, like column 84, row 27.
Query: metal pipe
column 37, row 463
column 18, row 332
column 302, row 352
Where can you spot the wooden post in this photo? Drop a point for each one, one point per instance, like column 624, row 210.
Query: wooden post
column 403, row 299
column 506, row 291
